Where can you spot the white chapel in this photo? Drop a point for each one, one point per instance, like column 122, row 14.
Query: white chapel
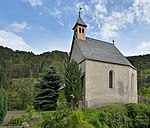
column 108, row 77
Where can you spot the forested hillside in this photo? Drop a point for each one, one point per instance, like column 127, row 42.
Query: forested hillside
column 19, row 71
column 20, row 64
column 142, row 63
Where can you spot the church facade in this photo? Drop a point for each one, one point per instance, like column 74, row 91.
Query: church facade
column 108, row 77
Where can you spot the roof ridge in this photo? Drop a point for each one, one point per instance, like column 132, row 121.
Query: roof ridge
column 100, row 40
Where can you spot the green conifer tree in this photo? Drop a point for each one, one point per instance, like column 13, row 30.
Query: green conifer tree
column 73, row 82
column 48, row 88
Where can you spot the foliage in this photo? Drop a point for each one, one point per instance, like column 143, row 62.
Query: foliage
column 60, row 116
column 47, row 93
column 120, row 116
column 20, row 93
column 16, row 121
column 77, row 120
column 140, row 115
column 141, row 62
column 144, row 79
column 144, row 95
column 19, row 70
column 2, row 79
column 73, row 81
column 31, row 115
column 63, row 117
column 21, row 64
column 144, row 92
column 3, row 104
column 141, row 121
column 113, row 116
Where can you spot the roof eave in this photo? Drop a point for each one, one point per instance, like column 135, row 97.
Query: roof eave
column 78, row 24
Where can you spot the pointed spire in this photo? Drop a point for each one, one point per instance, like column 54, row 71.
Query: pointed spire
column 79, row 20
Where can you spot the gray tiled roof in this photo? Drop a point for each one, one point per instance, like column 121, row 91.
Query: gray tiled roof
column 102, row 51
column 80, row 22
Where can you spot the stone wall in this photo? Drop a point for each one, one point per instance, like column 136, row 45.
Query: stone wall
column 97, row 91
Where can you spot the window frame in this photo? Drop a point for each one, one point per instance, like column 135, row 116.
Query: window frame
column 111, row 83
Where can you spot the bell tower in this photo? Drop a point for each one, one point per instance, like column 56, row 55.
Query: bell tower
column 80, row 28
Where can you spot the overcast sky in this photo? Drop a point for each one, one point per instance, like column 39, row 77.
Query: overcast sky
column 46, row 25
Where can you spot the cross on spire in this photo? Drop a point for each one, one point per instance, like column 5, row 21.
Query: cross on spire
column 113, row 41
column 80, row 11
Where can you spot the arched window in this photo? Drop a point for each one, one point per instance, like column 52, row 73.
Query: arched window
column 111, row 79
column 132, row 81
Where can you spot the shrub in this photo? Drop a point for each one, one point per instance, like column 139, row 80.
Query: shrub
column 32, row 114
column 17, row 121
column 141, row 121
column 140, row 114
column 78, row 120
column 119, row 116
column 133, row 110
column 58, row 118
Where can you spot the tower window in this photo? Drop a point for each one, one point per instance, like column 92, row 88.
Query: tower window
column 111, row 79
column 82, row 30
column 79, row 30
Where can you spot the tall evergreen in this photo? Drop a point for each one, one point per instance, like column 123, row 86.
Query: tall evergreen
column 73, row 82
column 48, row 86
column 3, row 104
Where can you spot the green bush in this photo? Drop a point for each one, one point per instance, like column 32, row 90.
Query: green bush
column 78, row 120
column 113, row 116
column 103, row 119
column 17, row 121
column 140, row 115
column 141, row 121
column 59, row 117
column 119, row 116
column 3, row 104
column 32, row 113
